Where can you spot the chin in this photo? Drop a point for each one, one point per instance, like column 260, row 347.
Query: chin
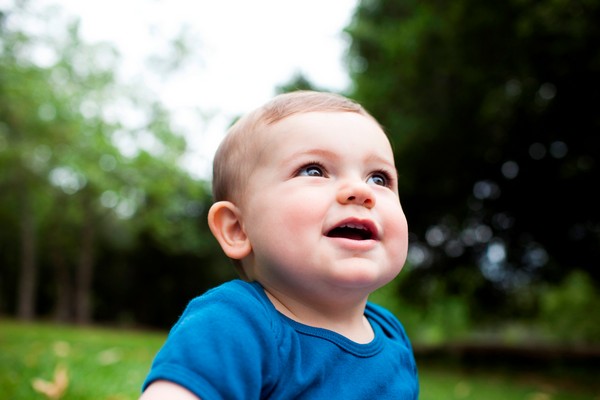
column 365, row 278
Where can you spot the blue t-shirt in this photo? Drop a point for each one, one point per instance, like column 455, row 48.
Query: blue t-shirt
column 231, row 343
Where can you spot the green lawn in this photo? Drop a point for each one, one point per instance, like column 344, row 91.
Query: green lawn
column 447, row 384
column 109, row 364
column 101, row 363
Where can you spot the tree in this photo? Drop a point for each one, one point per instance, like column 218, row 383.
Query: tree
column 82, row 198
column 490, row 106
column 24, row 96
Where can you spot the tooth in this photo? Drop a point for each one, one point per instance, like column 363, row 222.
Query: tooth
column 354, row 226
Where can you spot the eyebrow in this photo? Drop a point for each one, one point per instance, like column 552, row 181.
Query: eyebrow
column 315, row 152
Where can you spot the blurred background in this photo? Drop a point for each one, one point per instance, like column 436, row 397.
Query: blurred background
column 109, row 117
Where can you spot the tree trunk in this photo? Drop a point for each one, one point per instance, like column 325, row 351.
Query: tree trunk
column 85, row 270
column 63, row 309
column 26, row 296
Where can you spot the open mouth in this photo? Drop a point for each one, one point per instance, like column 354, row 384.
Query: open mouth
column 353, row 231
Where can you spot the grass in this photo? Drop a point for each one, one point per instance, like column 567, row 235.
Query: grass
column 449, row 383
column 101, row 363
column 109, row 364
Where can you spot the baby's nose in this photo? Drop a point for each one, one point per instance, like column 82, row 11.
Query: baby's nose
column 359, row 193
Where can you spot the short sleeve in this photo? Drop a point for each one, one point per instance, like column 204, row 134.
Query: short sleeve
column 224, row 346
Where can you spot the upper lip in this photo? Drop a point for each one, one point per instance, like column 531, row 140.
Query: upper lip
column 363, row 227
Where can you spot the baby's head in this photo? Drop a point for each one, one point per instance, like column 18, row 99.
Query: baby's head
column 306, row 191
column 243, row 146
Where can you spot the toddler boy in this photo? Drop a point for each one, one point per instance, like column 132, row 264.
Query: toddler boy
column 307, row 207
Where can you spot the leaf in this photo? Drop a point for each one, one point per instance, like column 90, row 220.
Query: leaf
column 53, row 389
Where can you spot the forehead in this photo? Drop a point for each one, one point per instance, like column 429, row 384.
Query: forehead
column 346, row 132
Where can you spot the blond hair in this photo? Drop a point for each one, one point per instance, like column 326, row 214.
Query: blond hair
column 235, row 157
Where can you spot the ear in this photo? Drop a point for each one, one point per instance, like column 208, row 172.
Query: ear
column 225, row 224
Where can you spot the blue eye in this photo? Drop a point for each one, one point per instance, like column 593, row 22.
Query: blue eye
column 380, row 179
column 311, row 170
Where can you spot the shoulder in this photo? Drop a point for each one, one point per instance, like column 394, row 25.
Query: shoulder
column 222, row 343
column 378, row 312
column 235, row 303
column 234, row 293
column 397, row 344
column 386, row 320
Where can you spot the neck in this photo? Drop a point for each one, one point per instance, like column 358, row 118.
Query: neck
column 347, row 319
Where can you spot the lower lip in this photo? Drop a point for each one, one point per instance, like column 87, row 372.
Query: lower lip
column 351, row 244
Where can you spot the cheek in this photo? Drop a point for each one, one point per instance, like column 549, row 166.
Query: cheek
column 286, row 219
column 397, row 233
column 302, row 207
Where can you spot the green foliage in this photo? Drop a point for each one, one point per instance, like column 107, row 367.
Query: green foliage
column 569, row 310
column 435, row 323
column 297, row 82
column 90, row 191
column 489, row 106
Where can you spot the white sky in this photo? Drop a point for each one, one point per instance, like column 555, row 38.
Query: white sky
column 242, row 50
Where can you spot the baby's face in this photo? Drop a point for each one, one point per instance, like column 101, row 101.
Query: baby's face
column 322, row 211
